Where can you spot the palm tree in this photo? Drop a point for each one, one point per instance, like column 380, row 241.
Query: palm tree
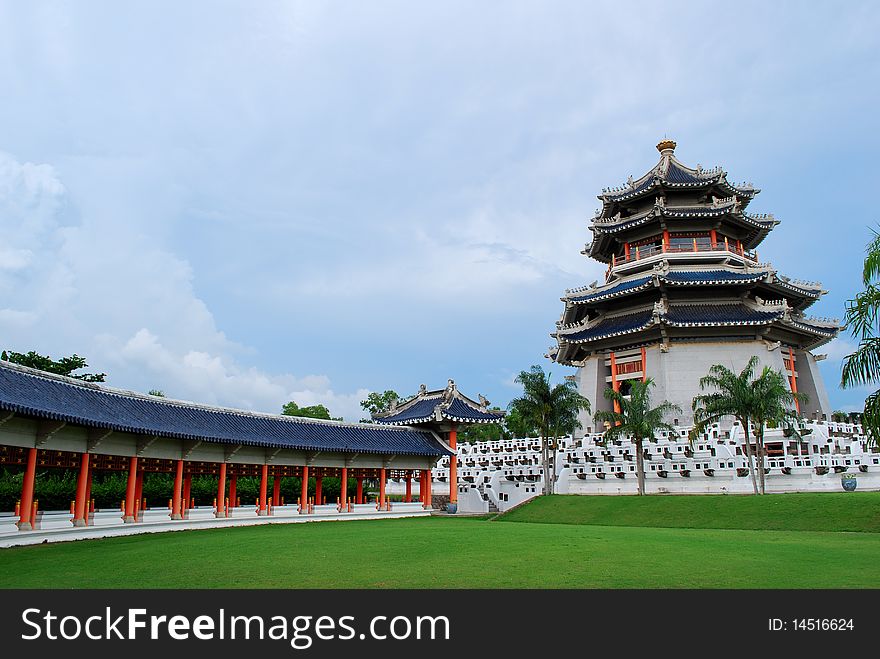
column 636, row 419
column 751, row 401
column 552, row 410
column 774, row 404
column 862, row 315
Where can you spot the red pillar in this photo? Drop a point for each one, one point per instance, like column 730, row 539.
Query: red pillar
column 81, row 507
column 360, row 490
column 319, row 481
column 626, row 250
column 25, row 522
column 176, row 492
column 408, row 496
column 264, row 487
column 343, row 487
column 614, row 383
column 221, row 492
column 138, row 495
column 644, row 364
column 130, row 490
column 428, row 503
column 187, row 490
column 797, row 404
column 713, row 236
column 233, row 482
column 382, row 488
column 453, row 466
column 276, row 490
column 304, row 490
column 665, row 241
column 90, row 507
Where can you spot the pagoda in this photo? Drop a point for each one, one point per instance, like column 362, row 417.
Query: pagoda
column 442, row 412
column 684, row 289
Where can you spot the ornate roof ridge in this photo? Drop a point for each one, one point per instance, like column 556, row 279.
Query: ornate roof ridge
column 173, row 402
column 445, row 399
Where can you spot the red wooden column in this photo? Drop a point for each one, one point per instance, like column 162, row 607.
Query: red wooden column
column 262, row 508
column 25, row 519
column 233, row 493
column 187, row 491
column 614, row 383
column 626, row 250
column 90, row 507
column 176, row 492
column 130, row 490
column 138, row 495
column 319, row 482
column 81, row 507
column 665, row 240
column 360, row 490
column 276, row 490
column 382, row 488
column 428, row 502
column 713, row 236
column 644, row 365
column 408, row 496
column 343, row 487
column 453, row 465
column 797, row 404
column 304, row 490
column 221, row 492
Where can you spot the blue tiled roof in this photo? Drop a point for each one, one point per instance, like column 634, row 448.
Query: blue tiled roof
column 31, row 393
column 676, row 174
column 419, row 411
column 461, row 411
column 645, row 185
column 710, row 277
column 611, row 327
column 602, row 294
column 719, row 314
column 423, row 410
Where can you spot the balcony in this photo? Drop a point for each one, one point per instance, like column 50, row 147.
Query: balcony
column 655, row 252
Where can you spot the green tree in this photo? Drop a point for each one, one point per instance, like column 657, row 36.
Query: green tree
column 156, row 392
column 377, row 403
column 517, row 426
column 752, row 401
column 636, row 419
column 312, row 411
column 553, row 410
column 64, row 366
column 483, row 432
column 862, row 319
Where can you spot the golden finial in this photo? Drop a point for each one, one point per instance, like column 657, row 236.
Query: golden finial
column 665, row 144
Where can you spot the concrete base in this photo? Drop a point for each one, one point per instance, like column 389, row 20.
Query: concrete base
column 79, row 522
column 24, row 526
column 176, row 516
column 129, row 519
column 199, row 519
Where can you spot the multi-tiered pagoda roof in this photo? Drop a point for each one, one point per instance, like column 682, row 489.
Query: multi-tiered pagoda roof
column 679, row 245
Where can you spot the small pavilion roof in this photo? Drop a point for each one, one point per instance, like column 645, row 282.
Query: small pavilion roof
column 34, row 393
column 440, row 405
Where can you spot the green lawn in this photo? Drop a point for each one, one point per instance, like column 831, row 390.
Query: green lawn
column 450, row 552
column 827, row 511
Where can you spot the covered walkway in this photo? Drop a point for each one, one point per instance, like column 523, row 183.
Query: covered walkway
column 53, row 422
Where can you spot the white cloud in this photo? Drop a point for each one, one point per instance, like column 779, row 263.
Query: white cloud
column 107, row 293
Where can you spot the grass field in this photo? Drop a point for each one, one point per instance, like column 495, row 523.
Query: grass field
column 450, row 552
column 827, row 511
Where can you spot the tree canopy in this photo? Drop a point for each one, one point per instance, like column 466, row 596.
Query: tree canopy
column 312, row 411
column 64, row 366
column 376, row 403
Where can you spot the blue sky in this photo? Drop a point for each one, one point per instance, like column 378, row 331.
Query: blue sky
column 246, row 203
